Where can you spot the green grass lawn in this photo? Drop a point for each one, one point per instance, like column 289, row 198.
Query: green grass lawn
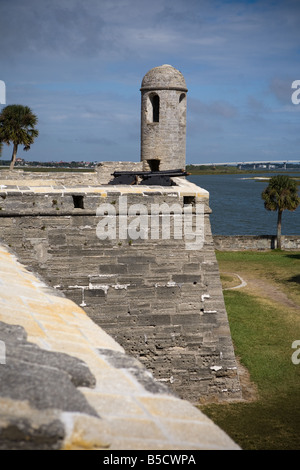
column 263, row 330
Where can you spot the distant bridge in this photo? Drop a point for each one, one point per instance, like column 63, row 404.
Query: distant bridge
column 253, row 162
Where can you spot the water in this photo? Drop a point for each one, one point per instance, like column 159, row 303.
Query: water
column 238, row 209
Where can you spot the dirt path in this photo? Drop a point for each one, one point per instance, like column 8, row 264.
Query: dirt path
column 267, row 290
column 270, row 292
column 263, row 289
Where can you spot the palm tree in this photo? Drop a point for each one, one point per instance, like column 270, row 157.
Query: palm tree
column 281, row 194
column 17, row 127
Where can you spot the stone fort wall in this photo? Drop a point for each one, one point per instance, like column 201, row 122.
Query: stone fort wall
column 67, row 385
column 161, row 302
column 252, row 242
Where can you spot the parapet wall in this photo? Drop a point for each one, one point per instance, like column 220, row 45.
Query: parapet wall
column 161, row 302
column 53, row 178
column 104, row 170
column 248, row 242
column 66, row 384
column 101, row 175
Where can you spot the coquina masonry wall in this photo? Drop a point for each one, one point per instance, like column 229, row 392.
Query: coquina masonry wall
column 252, row 242
column 161, row 302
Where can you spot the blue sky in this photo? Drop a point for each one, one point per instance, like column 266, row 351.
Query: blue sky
column 79, row 65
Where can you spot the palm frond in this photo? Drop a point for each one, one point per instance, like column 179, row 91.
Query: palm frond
column 17, row 126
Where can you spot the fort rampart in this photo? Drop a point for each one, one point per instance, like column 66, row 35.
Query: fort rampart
column 252, row 242
column 162, row 302
column 66, row 384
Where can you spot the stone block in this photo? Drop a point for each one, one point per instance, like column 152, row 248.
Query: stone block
column 153, row 320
